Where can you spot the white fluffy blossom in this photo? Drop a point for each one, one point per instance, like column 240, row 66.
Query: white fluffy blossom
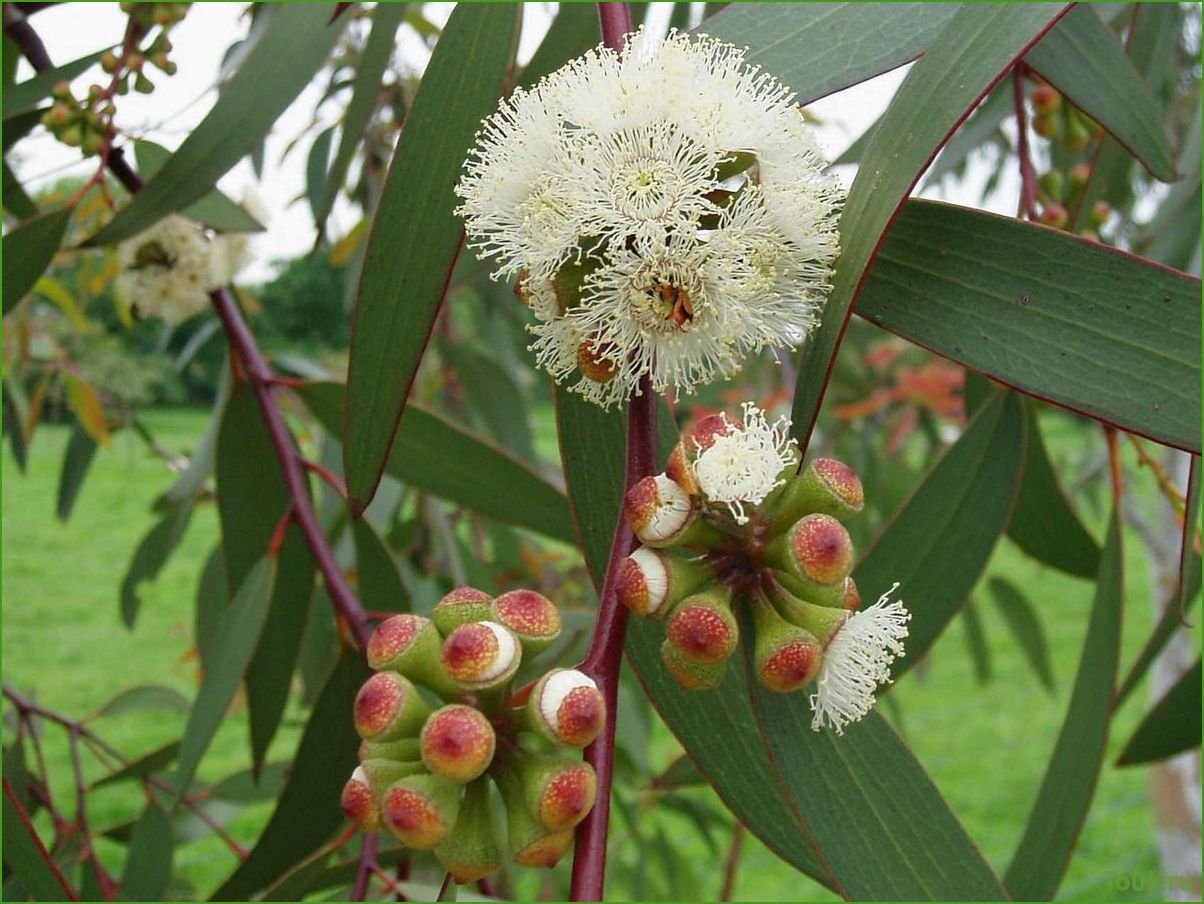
column 664, row 209
column 744, row 465
column 856, row 661
column 169, row 270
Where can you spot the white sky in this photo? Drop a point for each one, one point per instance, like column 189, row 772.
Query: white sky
column 180, row 102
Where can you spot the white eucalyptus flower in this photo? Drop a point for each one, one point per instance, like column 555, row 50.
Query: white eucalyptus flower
column 742, row 466
column 674, row 197
column 857, row 660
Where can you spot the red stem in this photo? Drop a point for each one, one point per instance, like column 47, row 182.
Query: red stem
column 68, row 892
column 1028, row 182
column 363, row 873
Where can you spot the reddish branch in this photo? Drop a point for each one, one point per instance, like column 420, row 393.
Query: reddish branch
column 1028, row 181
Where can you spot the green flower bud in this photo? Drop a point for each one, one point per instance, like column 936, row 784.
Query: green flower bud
column 421, row 810
column 1052, row 184
column 558, row 791
column 143, row 85
column 530, row 616
column 692, row 676
column 651, row 582
column 459, row 607
column 62, row 91
column 701, row 627
column 566, row 707
column 388, row 707
column 787, row 656
column 827, row 487
column 1046, row 99
column 401, row 750
column 472, row 851
column 458, row 743
column 72, row 135
column 817, row 552
column 531, row 843
column 1055, row 215
column 1077, row 133
column 1047, row 126
column 411, row 645
column 359, row 803
column 481, row 656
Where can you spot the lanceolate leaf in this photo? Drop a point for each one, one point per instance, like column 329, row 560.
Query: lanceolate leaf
column 16, row 201
column 386, row 18
column 155, row 761
column 27, row 95
column 1018, row 612
column 1066, row 791
column 151, row 555
column 233, row 643
column 1171, row 726
column 148, row 866
column 377, row 581
column 937, row 545
column 215, row 209
column 141, row 698
column 307, row 813
column 28, row 250
column 1084, row 61
column 315, row 170
column 434, row 455
column 288, row 44
column 1082, row 325
column 971, row 53
column 416, row 235
column 76, row 461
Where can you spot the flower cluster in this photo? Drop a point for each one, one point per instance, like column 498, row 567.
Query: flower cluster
column 169, row 270
column 426, row 767
column 730, row 525
column 664, row 210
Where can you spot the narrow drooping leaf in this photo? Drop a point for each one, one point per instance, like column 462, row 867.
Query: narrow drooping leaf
column 155, row 761
column 212, row 597
column 76, row 460
column 433, row 455
column 386, row 18
column 29, row 94
column 493, row 396
column 27, row 857
column 1021, row 618
column 976, row 642
column 1083, row 60
column 16, row 201
column 233, row 644
column 245, row 787
column 315, row 170
column 416, row 235
column 1066, row 791
column 151, row 555
column 307, row 813
column 974, row 49
column 574, row 31
column 215, row 209
column 377, row 581
column 287, row 45
column 972, row 134
column 141, row 698
column 937, row 545
column 28, row 250
column 819, row 48
column 148, row 865
column 1171, row 726
column 1068, row 320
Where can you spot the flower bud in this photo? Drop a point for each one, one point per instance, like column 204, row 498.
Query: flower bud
column 381, row 774
column 410, row 644
column 458, row 743
column 72, row 136
column 817, row 551
column 1077, row 133
column 388, row 707
column 850, row 600
column 1047, row 125
column 557, row 790
column 421, row 810
column 359, row 803
column 692, row 676
column 531, row 844
column 402, row 750
column 702, row 628
column 1055, row 215
column 1079, row 174
column 821, row 621
column 93, row 143
column 566, row 707
column 827, row 487
column 472, row 852
column 530, row 616
column 143, row 85
column 787, row 657
column 596, row 363
column 659, row 511
column 459, row 607
column 1046, row 99
column 1052, row 185
column 650, row 582
column 696, row 439
column 1100, row 211
column 481, row 655
column 61, row 90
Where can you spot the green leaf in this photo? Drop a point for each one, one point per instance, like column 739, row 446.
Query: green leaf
column 493, row 395
column 938, row 543
column 141, row 698
column 413, row 244
column 151, row 555
column 154, row 761
column 235, row 640
column 1072, row 321
column 575, row 30
column 1171, row 726
column 819, row 48
column 28, row 250
column 27, row 95
column 315, row 170
column 973, row 51
column 287, row 45
column 27, row 857
column 1021, row 618
column 212, row 598
column 76, row 461
column 148, row 866
column 1043, row 523
column 307, row 813
column 377, row 580
column 215, row 209
column 1084, row 61
column 983, row 123
column 244, row 788
column 252, row 498
column 433, row 455
column 16, row 201
column 1066, row 791
column 386, row 18
column 976, row 642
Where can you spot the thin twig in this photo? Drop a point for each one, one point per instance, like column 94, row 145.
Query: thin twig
column 1028, row 182
column 1114, row 464
column 363, row 872
column 732, row 863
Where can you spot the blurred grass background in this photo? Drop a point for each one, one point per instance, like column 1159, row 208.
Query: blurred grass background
column 986, row 746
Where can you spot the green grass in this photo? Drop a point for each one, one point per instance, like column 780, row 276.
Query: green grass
column 985, row 746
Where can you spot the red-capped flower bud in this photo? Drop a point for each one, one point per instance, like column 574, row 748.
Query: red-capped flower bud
column 410, row 644
column 458, row 743
column 402, row 750
column 359, row 803
column 481, row 655
column 1100, row 211
column 557, row 790
column 851, row 598
column 566, row 707
column 382, row 773
column 472, row 852
column 692, row 676
column 651, row 582
column 817, row 551
column 596, row 362
column 1054, row 215
column 1047, row 125
column 459, row 607
column 702, row 628
column 787, row 657
column 531, row 843
column 421, row 810
column 388, row 707
column 530, row 616
column 827, row 487
column 1046, row 99
column 696, row 439
column 1078, row 133
column 659, row 511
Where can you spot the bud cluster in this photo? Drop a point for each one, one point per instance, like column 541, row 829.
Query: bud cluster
column 442, row 728
column 732, row 525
